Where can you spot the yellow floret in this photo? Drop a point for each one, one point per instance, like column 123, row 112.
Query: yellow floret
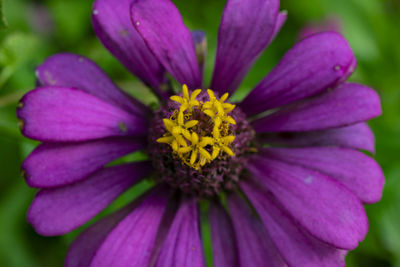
column 192, row 145
column 187, row 101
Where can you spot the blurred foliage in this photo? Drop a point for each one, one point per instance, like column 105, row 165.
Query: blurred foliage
column 37, row 29
column 3, row 22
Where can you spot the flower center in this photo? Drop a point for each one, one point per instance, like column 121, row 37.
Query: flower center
column 199, row 132
column 198, row 142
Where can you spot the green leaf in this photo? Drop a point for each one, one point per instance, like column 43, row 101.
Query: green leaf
column 3, row 22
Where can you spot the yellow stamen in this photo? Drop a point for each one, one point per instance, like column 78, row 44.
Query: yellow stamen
column 185, row 91
column 185, row 150
column 194, row 146
column 195, row 138
column 228, row 151
column 166, row 140
column 191, row 124
column 224, row 97
column 215, row 152
column 187, row 101
column 193, row 157
column 177, row 99
column 195, row 94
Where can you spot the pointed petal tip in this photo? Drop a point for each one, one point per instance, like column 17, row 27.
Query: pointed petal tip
column 172, row 44
column 242, row 36
column 76, row 71
column 61, row 114
column 325, row 57
column 345, row 105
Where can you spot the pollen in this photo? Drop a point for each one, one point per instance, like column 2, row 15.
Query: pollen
column 199, row 132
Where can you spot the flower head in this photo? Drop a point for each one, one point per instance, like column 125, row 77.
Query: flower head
column 281, row 170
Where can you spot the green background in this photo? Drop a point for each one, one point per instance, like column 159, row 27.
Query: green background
column 37, row 29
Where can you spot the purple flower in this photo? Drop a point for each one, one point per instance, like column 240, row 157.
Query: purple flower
column 281, row 171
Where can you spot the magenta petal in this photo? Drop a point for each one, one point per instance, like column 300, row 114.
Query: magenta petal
column 281, row 19
column 355, row 170
column 297, row 247
column 83, row 249
column 325, row 208
column 112, row 24
column 60, row 114
column 255, row 248
column 130, row 243
column 311, row 67
column 165, row 225
column 52, row 164
column 74, row 71
column 183, row 246
column 357, row 136
column 246, row 29
column 348, row 104
column 162, row 28
column 223, row 237
column 60, row 210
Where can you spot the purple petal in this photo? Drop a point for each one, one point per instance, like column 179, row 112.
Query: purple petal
column 325, row 208
column 357, row 136
column 358, row 172
column 162, row 28
column 345, row 105
column 130, row 243
column 297, row 247
column 223, row 237
column 183, row 246
column 83, row 249
column 246, row 29
column 165, row 225
column 280, row 21
column 52, row 164
column 74, row 71
column 255, row 247
column 311, row 67
column 60, row 114
column 60, row 210
column 113, row 26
